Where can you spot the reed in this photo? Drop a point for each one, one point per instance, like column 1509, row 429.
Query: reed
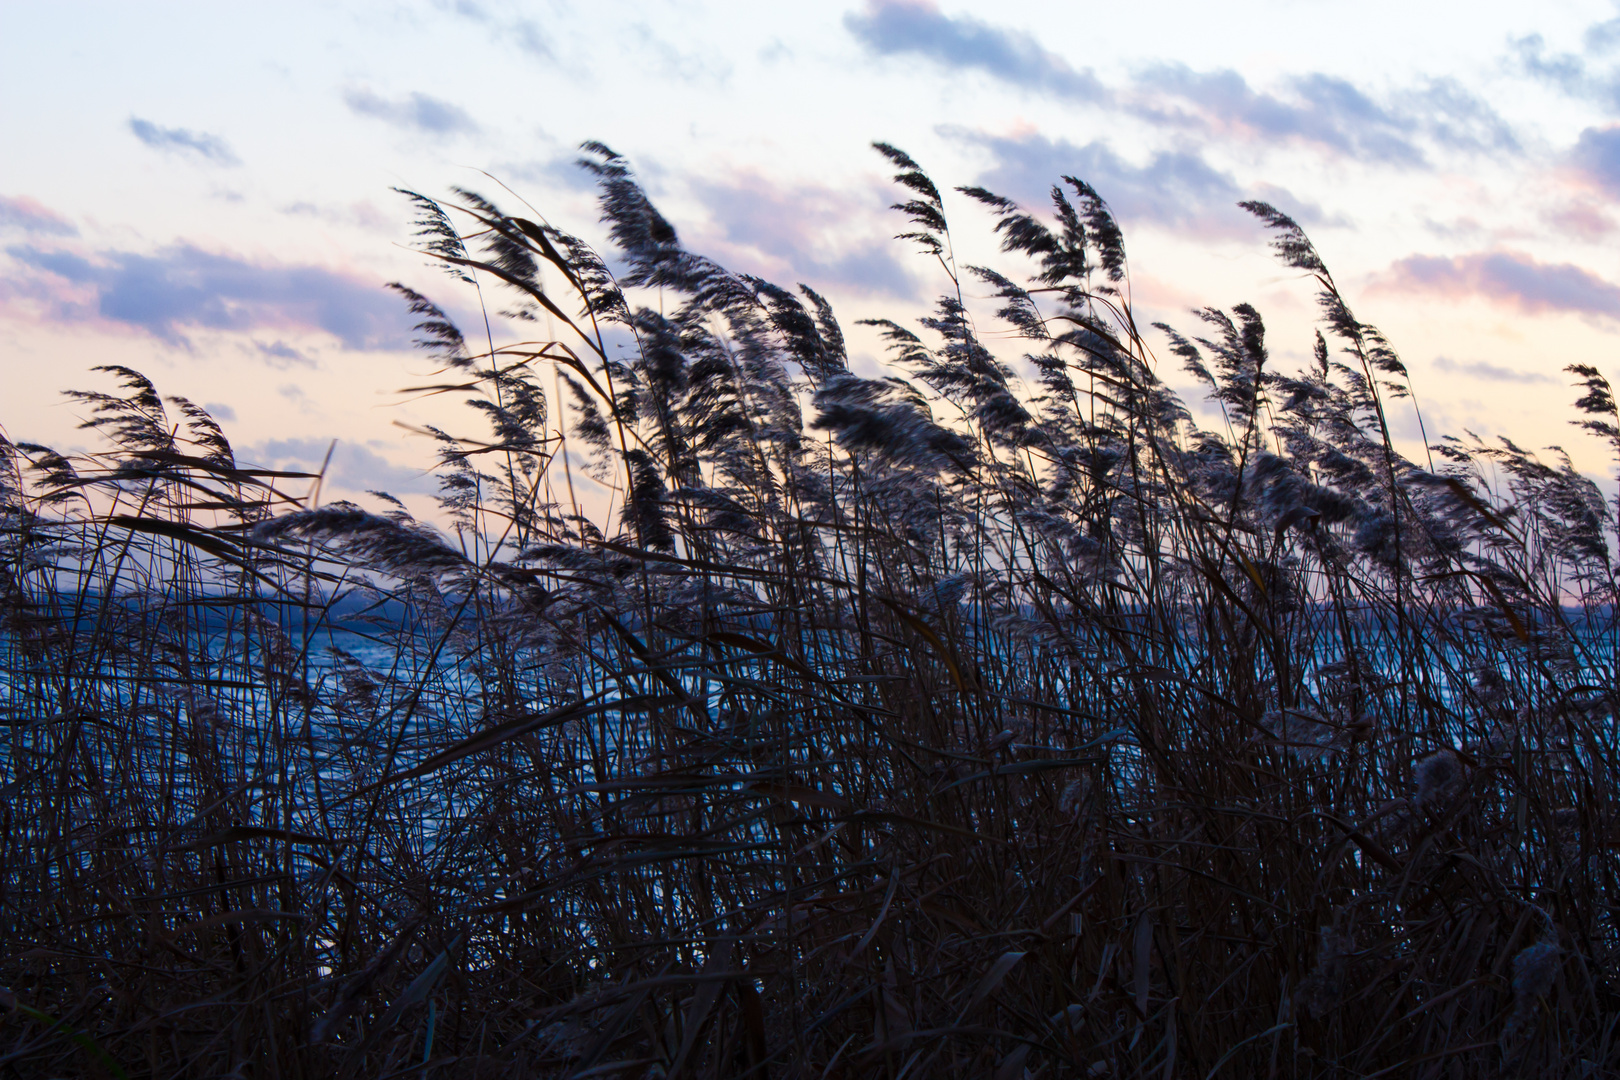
column 950, row 723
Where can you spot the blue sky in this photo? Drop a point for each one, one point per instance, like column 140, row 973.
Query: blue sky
column 202, row 191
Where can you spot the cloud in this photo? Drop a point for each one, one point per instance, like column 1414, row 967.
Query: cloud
column 220, row 411
column 30, row 216
column 788, row 229
column 278, row 354
column 182, row 141
column 659, row 56
column 355, row 467
column 1596, row 157
column 1579, row 217
column 1601, row 37
column 1479, row 369
column 897, row 27
column 1579, row 75
column 523, row 33
column 1176, row 187
column 1453, row 116
column 1566, row 71
column 561, row 169
column 183, row 287
column 415, row 112
column 1324, row 110
column 362, row 213
column 1510, row 277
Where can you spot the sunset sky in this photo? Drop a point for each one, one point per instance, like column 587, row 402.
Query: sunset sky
column 202, row 191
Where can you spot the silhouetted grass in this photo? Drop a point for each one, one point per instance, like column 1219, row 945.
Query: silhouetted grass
column 936, row 725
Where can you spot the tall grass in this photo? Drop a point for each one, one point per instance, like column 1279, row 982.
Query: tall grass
column 939, row 724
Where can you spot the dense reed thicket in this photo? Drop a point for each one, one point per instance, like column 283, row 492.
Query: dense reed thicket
column 941, row 724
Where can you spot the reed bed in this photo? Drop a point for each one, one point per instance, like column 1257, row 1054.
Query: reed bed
column 990, row 718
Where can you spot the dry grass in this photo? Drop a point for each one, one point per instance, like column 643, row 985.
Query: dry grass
column 968, row 728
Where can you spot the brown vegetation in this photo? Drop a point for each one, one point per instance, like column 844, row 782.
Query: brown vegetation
column 964, row 729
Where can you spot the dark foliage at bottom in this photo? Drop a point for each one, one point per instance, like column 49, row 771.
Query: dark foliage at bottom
column 750, row 716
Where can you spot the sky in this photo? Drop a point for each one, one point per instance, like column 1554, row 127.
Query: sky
column 203, row 191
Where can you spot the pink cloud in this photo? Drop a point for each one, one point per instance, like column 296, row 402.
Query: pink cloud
column 32, row 216
column 1510, row 277
column 182, row 288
